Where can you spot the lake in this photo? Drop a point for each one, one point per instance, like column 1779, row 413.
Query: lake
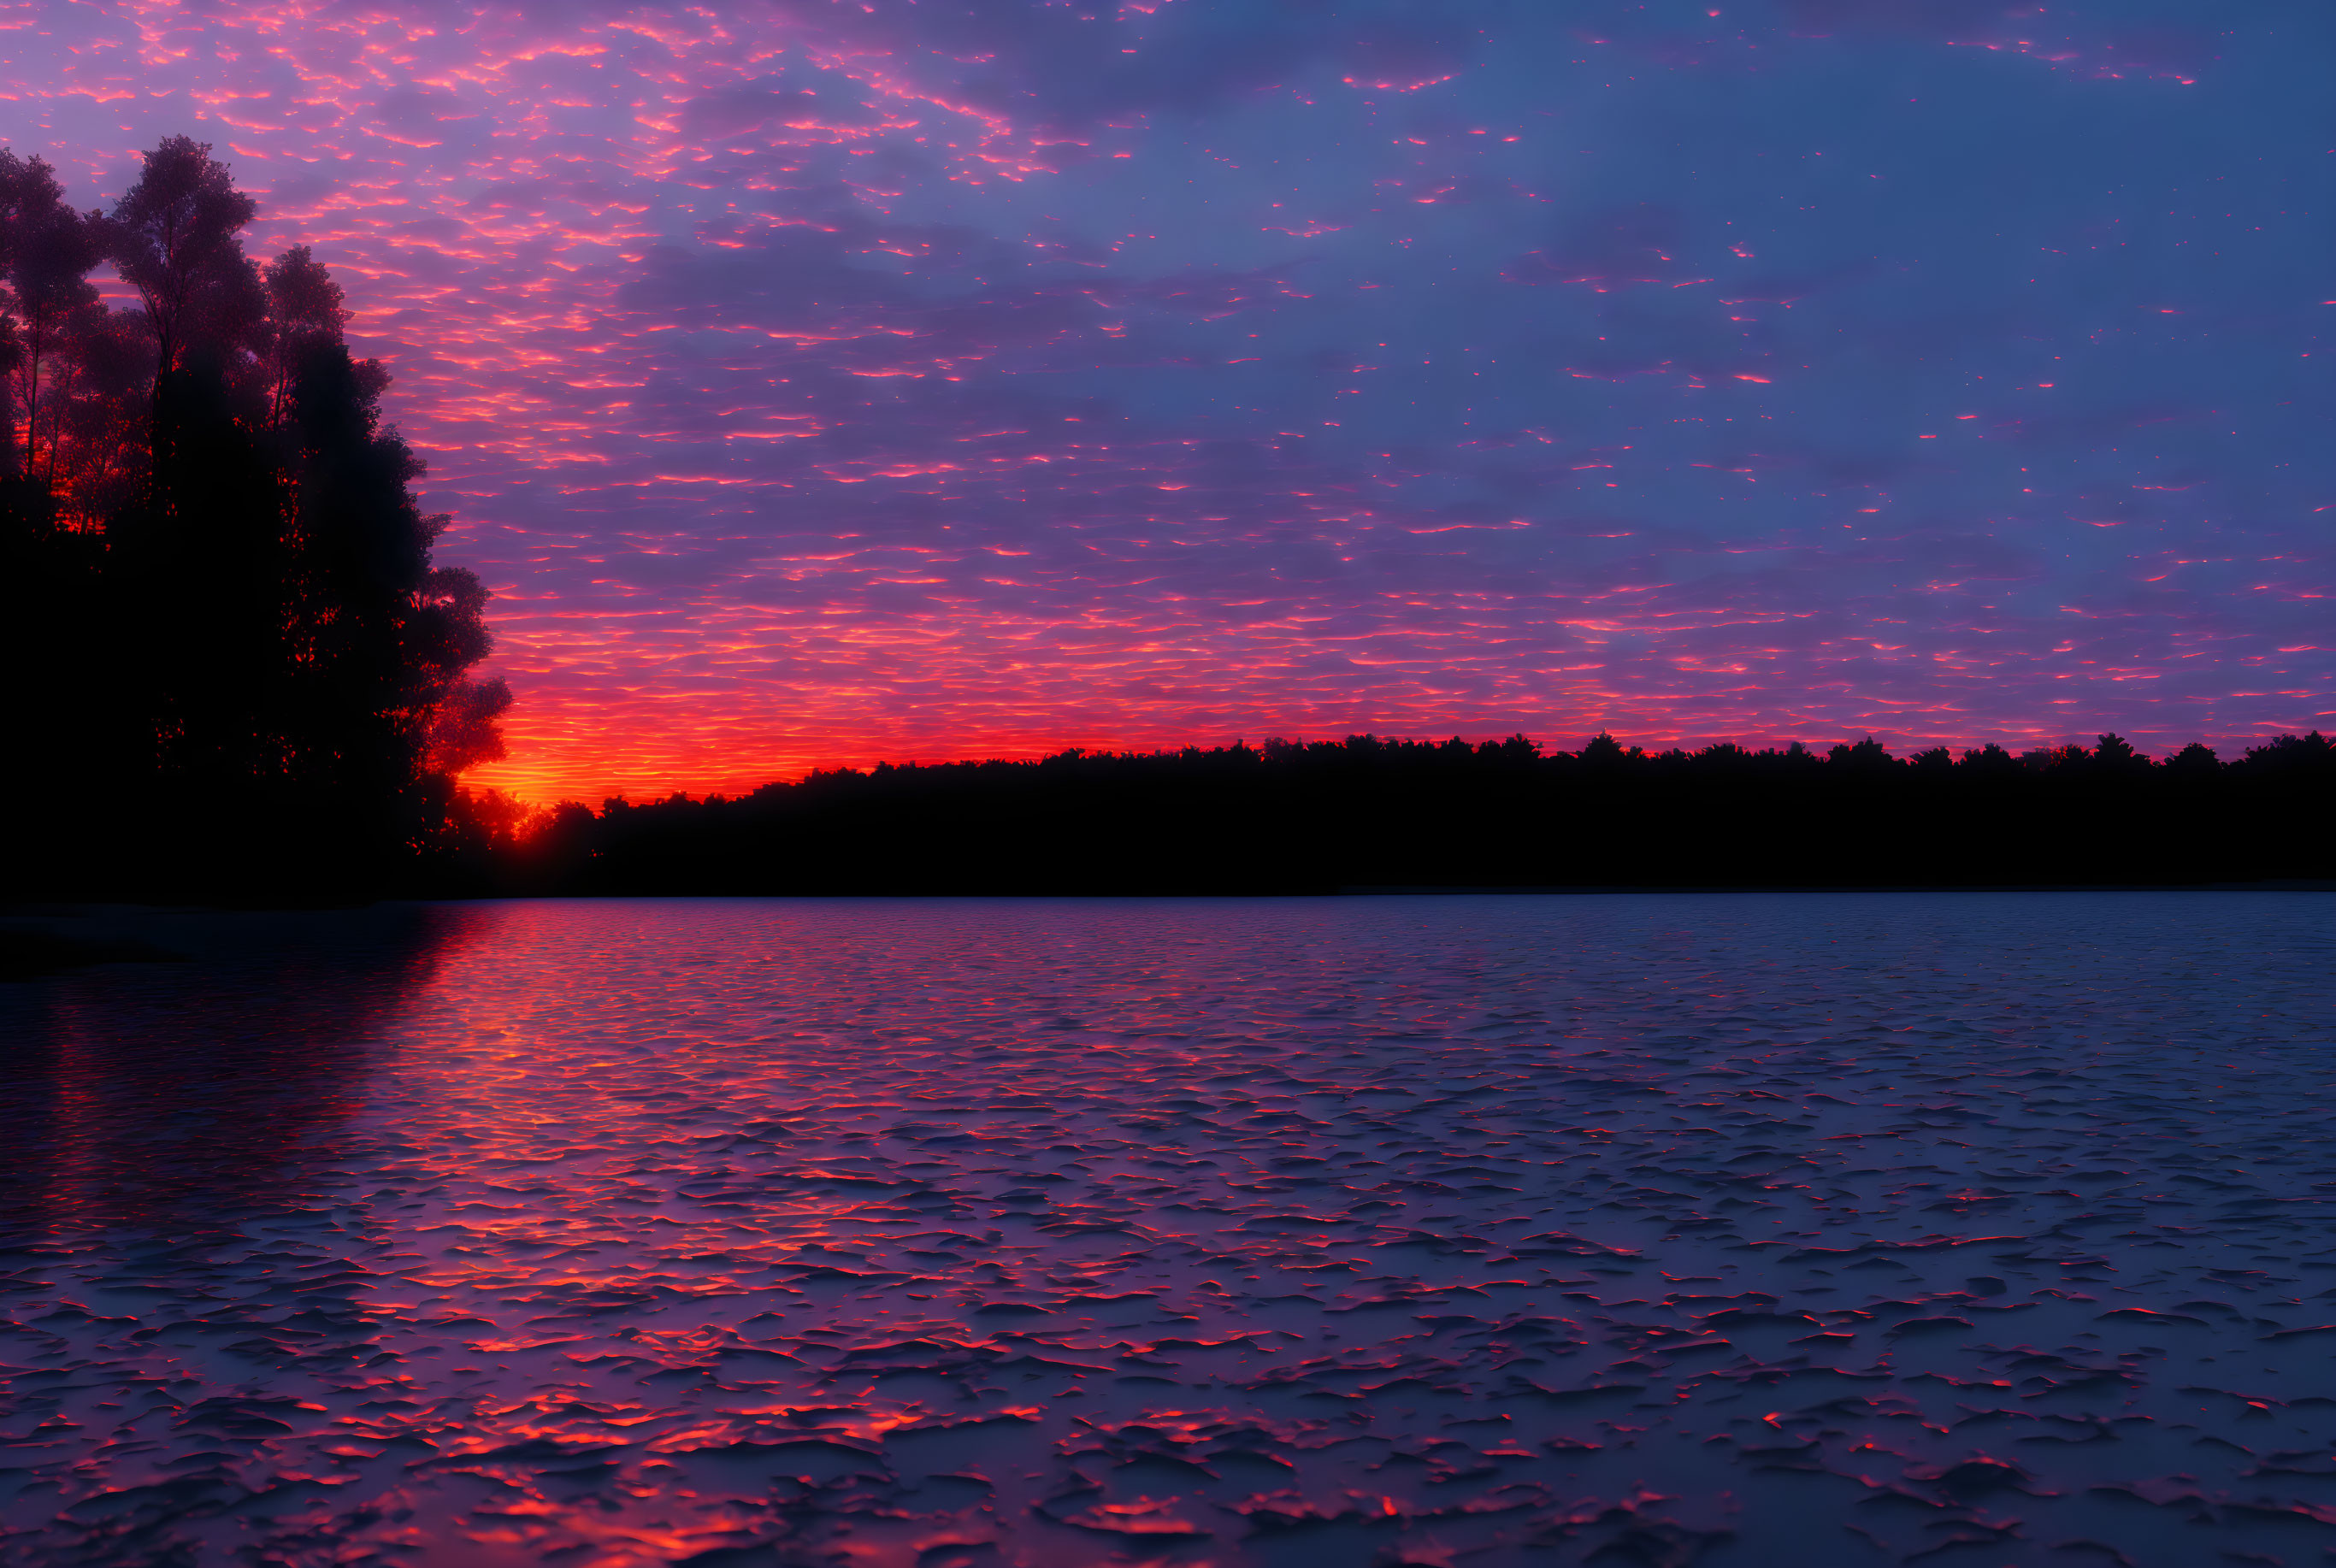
column 1782, row 1230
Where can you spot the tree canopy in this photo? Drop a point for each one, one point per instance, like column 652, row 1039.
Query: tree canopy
column 233, row 662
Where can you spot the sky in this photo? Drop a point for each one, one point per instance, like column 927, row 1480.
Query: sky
column 819, row 383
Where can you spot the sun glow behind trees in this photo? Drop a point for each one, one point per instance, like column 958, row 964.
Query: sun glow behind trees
column 223, row 625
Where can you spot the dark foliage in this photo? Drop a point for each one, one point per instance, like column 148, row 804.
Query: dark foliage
column 1369, row 812
column 232, row 671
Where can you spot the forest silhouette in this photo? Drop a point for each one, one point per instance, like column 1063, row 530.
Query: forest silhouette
column 233, row 671
column 1369, row 813
column 235, row 676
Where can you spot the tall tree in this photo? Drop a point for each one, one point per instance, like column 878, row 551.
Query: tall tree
column 99, row 417
column 306, row 308
column 12, row 176
column 175, row 237
column 383, row 640
column 216, row 586
column 198, row 565
column 49, row 254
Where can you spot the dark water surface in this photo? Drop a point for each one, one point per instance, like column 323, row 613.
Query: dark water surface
column 1971, row 1229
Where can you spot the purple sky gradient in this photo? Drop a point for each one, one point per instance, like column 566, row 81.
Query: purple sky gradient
column 819, row 382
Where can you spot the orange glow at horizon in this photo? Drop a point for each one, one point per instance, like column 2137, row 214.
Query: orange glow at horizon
column 815, row 385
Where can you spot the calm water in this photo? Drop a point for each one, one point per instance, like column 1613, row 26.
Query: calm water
column 1785, row 1230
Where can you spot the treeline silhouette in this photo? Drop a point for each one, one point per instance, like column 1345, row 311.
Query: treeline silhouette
column 1366, row 813
column 232, row 670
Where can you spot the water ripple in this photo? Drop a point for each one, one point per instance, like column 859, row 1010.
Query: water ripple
column 1989, row 1229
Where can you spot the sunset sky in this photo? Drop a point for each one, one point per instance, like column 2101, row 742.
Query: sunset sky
column 815, row 383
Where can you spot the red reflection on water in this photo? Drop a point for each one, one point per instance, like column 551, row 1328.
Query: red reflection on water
column 909, row 1232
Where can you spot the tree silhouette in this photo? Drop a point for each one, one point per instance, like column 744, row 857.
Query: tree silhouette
column 219, row 592
column 305, row 309
column 1369, row 812
column 51, row 250
column 175, row 236
column 382, row 637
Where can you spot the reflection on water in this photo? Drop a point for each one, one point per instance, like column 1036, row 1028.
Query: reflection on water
column 1629, row 1231
column 169, row 1097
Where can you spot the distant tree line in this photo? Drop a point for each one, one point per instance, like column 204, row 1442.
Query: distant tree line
column 1370, row 813
column 232, row 669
